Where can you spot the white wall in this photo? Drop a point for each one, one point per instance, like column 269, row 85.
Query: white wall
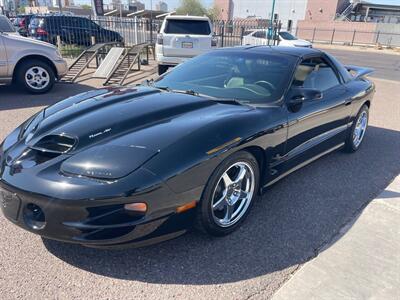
column 287, row 9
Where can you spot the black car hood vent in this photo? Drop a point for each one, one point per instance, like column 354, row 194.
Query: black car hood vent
column 57, row 144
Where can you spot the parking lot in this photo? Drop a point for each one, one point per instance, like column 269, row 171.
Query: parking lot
column 292, row 222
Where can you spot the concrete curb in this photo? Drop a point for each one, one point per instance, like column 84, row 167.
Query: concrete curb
column 362, row 263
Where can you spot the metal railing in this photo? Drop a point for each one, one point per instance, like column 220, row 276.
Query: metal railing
column 349, row 37
column 74, row 34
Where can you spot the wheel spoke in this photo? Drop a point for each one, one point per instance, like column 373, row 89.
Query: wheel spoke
column 243, row 195
column 229, row 213
column 227, row 180
column 221, row 203
column 241, row 174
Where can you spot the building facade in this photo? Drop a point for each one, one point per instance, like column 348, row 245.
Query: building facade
column 288, row 10
column 162, row 6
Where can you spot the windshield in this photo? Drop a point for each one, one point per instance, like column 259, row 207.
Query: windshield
column 287, row 36
column 239, row 75
column 5, row 25
column 198, row 27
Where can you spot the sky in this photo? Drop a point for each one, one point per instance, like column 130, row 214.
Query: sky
column 171, row 3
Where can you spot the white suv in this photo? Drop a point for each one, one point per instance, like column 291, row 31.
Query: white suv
column 182, row 37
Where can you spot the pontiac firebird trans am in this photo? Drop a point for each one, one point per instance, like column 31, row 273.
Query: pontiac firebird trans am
column 116, row 167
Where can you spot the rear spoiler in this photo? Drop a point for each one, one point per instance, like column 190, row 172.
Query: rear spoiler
column 358, row 72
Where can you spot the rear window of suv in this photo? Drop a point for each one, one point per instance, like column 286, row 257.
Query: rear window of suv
column 198, row 27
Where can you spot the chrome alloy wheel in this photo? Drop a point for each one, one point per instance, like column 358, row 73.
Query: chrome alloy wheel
column 233, row 194
column 360, row 129
column 37, row 78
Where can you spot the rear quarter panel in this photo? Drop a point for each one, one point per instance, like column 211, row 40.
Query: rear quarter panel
column 361, row 91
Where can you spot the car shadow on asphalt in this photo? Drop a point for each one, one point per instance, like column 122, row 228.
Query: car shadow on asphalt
column 22, row 99
column 294, row 219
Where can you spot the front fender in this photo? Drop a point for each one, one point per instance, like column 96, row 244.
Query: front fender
column 187, row 164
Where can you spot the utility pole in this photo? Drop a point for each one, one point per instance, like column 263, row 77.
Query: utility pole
column 151, row 21
column 271, row 23
column 60, row 6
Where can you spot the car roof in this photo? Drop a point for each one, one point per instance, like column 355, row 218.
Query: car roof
column 293, row 51
column 180, row 17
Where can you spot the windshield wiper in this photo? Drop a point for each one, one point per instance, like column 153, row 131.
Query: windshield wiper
column 188, row 92
column 231, row 101
column 197, row 94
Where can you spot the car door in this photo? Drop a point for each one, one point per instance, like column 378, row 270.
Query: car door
column 3, row 58
column 260, row 38
column 316, row 126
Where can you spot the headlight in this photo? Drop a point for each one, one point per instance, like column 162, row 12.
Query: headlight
column 107, row 161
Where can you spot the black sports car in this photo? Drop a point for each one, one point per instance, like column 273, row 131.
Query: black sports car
column 132, row 166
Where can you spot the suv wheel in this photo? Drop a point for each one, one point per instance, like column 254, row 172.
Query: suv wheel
column 35, row 76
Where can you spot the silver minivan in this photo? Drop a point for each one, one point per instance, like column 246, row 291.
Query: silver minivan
column 34, row 65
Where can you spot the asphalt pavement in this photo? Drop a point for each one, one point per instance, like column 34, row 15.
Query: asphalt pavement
column 288, row 226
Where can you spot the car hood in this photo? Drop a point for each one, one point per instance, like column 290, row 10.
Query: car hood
column 28, row 42
column 301, row 43
column 139, row 117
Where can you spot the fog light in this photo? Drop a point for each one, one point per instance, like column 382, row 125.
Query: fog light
column 34, row 216
column 138, row 207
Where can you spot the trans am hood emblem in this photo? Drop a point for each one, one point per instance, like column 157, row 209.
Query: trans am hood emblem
column 99, row 133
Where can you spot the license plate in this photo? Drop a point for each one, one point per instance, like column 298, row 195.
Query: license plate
column 187, row 45
column 9, row 203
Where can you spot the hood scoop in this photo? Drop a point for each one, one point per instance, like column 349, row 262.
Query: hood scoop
column 57, row 144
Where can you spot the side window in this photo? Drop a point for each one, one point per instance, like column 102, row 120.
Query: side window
column 260, row 34
column 93, row 25
column 315, row 73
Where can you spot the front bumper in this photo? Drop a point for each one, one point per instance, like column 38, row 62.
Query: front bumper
column 101, row 224
column 61, row 67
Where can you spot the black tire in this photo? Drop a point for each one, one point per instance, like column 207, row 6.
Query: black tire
column 162, row 69
column 205, row 220
column 350, row 145
column 27, row 65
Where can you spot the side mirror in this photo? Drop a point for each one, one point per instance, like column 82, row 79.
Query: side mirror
column 298, row 95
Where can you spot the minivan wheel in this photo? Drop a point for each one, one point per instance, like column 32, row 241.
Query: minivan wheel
column 162, row 69
column 228, row 195
column 35, row 76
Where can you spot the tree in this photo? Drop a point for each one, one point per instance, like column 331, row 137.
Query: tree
column 21, row 9
column 196, row 8
column 191, row 7
column 214, row 12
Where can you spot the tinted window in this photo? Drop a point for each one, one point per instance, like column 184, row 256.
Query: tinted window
column 287, row 36
column 244, row 76
column 316, row 74
column 5, row 25
column 261, row 34
column 187, row 27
